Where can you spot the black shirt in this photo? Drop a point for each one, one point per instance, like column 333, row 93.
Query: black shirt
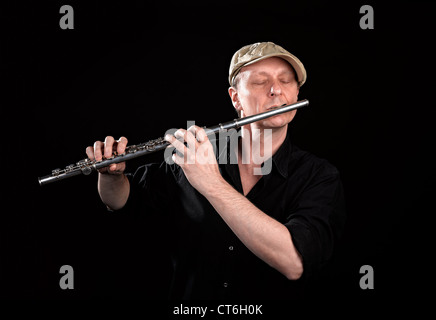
column 209, row 262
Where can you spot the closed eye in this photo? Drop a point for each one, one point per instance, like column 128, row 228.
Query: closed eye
column 259, row 83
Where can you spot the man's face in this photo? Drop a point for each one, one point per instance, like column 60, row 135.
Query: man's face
column 263, row 85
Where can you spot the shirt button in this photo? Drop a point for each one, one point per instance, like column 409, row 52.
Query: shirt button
column 231, row 248
column 225, row 284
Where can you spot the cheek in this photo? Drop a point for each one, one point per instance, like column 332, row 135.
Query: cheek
column 249, row 102
column 293, row 95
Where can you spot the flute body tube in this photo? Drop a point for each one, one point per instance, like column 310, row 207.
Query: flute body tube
column 86, row 166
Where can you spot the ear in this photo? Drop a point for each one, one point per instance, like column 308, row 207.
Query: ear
column 233, row 93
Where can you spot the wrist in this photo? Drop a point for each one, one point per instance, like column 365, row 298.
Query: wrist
column 111, row 178
column 216, row 188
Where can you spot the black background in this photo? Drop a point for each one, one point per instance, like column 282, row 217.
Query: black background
column 139, row 68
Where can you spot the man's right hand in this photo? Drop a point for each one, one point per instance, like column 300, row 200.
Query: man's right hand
column 105, row 149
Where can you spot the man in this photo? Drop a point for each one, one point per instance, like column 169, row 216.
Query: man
column 236, row 233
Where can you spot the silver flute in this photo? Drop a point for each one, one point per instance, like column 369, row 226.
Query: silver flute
column 86, row 166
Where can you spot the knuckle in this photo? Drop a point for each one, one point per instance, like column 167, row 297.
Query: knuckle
column 180, row 132
column 191, row 133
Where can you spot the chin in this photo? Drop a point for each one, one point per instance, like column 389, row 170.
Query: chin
column 279, row 121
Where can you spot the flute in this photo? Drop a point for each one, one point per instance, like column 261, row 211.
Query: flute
column 86, row 166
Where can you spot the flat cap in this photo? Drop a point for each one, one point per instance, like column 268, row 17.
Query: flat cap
column 262, row 50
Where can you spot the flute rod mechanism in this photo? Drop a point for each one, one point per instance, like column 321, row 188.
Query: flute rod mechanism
column 86, row 166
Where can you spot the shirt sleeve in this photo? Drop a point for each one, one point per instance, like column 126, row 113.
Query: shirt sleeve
column 317, row 219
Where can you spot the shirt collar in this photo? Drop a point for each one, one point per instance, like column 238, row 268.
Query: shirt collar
column 282, row 156
column 280, row 159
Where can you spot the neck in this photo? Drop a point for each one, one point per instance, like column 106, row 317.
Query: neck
column 259, row 144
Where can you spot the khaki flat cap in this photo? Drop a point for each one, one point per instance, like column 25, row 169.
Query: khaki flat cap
column 262, row 50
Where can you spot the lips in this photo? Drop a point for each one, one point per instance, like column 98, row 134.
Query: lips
column 272, row 108
column 275, row 107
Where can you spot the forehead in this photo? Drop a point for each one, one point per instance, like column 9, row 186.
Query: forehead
column 269, row 66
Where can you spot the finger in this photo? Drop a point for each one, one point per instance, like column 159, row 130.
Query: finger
column 189, row 137
column 98, row 145
column 90, row 152
column 112, row 167
column 108, row 146
column 180, row 134
column 193, row 130
column 180, row 146
column 180, row 160
column 121, row 146
column 199, row 133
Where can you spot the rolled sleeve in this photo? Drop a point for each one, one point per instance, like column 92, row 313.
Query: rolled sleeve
column 317, row 219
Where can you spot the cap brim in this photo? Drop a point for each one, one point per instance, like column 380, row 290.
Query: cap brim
column 293, row 61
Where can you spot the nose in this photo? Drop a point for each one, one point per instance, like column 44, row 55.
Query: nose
column 275, row 90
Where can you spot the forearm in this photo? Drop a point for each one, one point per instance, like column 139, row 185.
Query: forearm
column 113, row 190
column 264, row 236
